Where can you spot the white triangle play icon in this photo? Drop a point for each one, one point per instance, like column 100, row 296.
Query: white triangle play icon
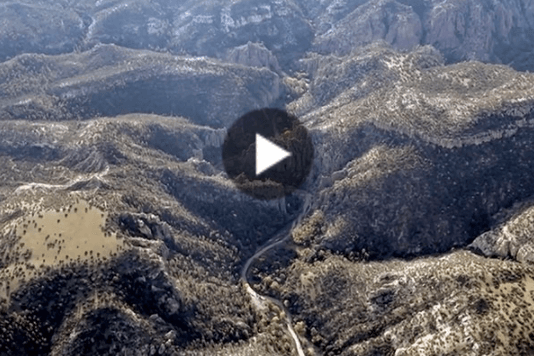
column 268, row 154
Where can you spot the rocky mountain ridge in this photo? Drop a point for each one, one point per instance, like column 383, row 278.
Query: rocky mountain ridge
column 496, row 31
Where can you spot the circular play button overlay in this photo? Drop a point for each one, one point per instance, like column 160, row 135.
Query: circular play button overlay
column 268, row 153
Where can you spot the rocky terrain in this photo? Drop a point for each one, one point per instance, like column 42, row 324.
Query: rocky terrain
column 496, row 31
column 121, row 234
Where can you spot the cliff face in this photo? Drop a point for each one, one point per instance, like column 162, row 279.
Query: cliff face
column 203, row 29
column 398, row 24
column 461, row 30
column 497, row 32
column 253, row 55
column 511, row 237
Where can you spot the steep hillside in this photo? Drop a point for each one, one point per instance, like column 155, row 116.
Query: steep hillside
column 111, row 80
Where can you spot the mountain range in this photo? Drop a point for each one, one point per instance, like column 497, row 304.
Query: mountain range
column 411, row 236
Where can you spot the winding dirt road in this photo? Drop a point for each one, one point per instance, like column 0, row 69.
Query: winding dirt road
column 260, row 300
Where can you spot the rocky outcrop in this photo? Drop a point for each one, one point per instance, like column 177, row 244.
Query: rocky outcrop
column 203, row 29
column 253, row 55
column 396, row 23
column 510, row 239
column 473, row 30
column 461, row 30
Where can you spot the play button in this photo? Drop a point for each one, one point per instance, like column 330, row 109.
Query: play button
column 267, row 153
